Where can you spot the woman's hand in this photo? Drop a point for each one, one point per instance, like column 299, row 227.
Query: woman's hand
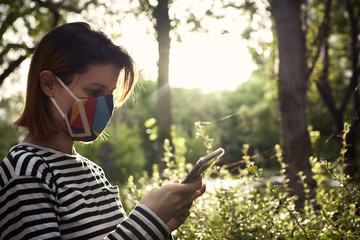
column 171, row 202
column 178, row 220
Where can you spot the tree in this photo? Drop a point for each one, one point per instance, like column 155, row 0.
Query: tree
column 158, row 13
column 335, row 53
column 163, row 110
column 165, row 25
column 253, row 115
column 292, row 80
column 332, row 56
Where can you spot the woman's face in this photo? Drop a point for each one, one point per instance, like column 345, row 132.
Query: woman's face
column 99, row 80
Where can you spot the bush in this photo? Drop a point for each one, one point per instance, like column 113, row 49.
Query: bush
column 248, row 206
column 120, row 156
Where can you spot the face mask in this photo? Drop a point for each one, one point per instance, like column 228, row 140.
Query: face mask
column 87, row 118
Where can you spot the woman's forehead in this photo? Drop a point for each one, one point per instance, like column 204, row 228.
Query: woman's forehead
column 100, row 76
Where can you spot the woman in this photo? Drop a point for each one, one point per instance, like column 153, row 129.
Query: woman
column 47, row 190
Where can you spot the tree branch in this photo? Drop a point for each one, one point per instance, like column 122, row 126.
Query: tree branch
column 325, row 92
column 9, row 20
column 354, row 55
column 13, row 46
column 321, row 38
column 12, row 66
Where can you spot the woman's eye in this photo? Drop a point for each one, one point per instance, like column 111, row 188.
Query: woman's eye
column 94, row 93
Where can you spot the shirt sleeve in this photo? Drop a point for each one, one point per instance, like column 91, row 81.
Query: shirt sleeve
column 142, row 223
column 28, row 210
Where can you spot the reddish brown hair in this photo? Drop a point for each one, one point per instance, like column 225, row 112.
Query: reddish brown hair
column 67, row 50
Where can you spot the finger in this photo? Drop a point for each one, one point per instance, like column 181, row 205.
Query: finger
column 188, row 202
column 199, row 192
column 189, row 205
column 183, row 213
column 176, row 181
column 202, row 190
column 192, row 186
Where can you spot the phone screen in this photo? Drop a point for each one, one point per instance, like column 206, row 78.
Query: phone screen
column 203, row 164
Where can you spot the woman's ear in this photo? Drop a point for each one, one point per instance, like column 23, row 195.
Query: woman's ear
column 48, row 83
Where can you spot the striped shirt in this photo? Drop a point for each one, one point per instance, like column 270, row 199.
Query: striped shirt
column 46, row 194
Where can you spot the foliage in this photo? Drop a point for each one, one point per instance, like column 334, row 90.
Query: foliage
column 22, row 23
column 10, row 136
column 120, row 155
column 330, row 29
column 247, row 115
column 251, row 206
column 253, row 118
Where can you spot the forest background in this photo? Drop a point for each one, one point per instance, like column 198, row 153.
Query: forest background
column 295, row 115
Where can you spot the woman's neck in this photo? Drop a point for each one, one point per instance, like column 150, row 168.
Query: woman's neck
column 59, row 142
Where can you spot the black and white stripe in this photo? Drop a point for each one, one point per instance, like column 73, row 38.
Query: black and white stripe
column 46, row 194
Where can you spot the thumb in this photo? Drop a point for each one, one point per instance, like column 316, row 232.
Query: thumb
column 192, row 186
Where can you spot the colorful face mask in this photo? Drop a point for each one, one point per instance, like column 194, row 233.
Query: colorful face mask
column 87, row 118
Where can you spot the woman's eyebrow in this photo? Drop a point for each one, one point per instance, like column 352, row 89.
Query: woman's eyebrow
column 97, row 84
column 101, row 86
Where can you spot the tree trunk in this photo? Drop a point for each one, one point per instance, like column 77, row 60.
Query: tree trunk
column 351, row 94
column 295, row 138
column 351, row 140
column 163, row 111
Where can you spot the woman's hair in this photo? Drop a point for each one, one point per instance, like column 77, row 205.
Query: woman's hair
column 67, row 50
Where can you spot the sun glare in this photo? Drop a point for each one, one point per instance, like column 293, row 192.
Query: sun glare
column 210, row 62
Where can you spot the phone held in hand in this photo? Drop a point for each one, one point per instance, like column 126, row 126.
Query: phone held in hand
column 203, row 164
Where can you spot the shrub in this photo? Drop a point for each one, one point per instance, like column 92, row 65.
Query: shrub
column 121, row 155
column 249, row 206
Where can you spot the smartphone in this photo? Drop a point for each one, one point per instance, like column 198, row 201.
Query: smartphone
column 203, row 164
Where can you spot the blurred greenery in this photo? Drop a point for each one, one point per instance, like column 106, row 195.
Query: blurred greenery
column 252, row 118
column 248, row 115
column 10, row 136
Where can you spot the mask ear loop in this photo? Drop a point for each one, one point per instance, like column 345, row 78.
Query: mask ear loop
column 66, row 88
column 82, row 112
